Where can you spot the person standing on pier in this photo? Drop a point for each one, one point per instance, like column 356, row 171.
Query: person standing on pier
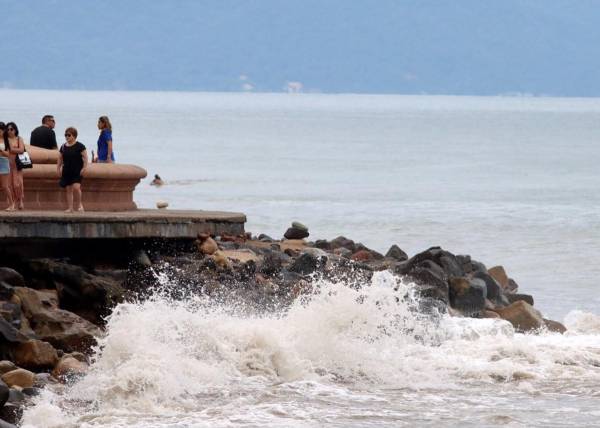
column 5, row 172
column 15, row 146
column 72, row 162
column 105, row 142
column 43, row 136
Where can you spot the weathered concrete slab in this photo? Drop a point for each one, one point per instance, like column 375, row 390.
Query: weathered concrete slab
column 115, row 225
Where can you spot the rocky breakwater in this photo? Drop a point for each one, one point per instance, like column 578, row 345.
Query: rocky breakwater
column 53, row 310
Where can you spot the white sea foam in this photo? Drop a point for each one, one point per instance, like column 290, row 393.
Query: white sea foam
column 165, row 363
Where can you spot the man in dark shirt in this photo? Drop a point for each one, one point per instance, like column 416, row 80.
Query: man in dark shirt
column 44, row 136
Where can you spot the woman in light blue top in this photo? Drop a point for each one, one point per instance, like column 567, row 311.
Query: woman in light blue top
column 5, row 172
column 105, row 143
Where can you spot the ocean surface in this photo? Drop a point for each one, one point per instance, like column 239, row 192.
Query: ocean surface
column 510, row 181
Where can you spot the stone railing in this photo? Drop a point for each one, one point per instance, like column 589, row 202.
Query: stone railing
column 106, row 187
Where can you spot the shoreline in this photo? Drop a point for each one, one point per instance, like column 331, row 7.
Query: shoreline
column 53, row 308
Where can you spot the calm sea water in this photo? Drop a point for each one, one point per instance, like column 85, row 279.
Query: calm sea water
column 511, row 181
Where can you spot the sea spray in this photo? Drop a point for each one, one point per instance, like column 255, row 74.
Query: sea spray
column 200, row 362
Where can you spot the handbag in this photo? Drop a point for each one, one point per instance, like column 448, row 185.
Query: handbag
column 23, row 161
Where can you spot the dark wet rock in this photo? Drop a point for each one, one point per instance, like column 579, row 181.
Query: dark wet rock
column 342, row 242
column 265, row 238
column 11, row 312
column 430, row 284
column 4, row 393
column 444, row 259
column 465, row 262
column 516, row 297
column 468, row 296
column 32, row 391
column 63, row 329
column 295, row 233
column 6, row 290
column 554, row 326
column 305, row 264
column 11, row 277
column 478, row 266
column 10, row 415
column 78, row 290
column 522, row 316
column 299, row 226
column 15, row 396
column 396, row 253
column 323, row 244
column 9, row 334
column 494, row 291
column 512, row 287
column 141, row 258
column 343, row 252
column 271, row 263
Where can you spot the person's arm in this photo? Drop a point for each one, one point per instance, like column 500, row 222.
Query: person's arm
column 59, row 163
column 85, row 161
column 55, row 146
column 20, row 147
column 109, row 154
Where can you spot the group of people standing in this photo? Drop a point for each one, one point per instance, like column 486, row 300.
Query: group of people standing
column 71, row 165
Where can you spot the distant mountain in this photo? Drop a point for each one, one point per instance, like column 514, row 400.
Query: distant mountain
column 539, row 47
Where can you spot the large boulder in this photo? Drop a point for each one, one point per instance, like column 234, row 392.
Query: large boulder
column 9, row 334
column 466, row 295
column 6, row 366
column 554, row 326
column 11, row 277
column 429, row 283
column 6, row 290
column 36, row 301
column 448, row 262
column 493, row 290
column 35, row 355
column 305, row 264
column 295, row 233
column 396, row 253
column 78, row 290
column 342, row 242
column 19, row 377
column 64, row 330
column 522, row 316
column 516, row 297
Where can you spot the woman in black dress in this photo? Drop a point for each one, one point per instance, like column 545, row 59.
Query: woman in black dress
column 72, row 162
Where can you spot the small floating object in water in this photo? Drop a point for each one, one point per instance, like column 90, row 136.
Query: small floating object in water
column 157, row 181
column 162, row 204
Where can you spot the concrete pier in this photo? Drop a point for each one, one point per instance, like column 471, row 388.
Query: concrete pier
column 137, row 224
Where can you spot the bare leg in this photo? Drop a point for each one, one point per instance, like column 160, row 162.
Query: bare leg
column 17, row 187
column 69, row 199
column 5, row 184
column 77, row 195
